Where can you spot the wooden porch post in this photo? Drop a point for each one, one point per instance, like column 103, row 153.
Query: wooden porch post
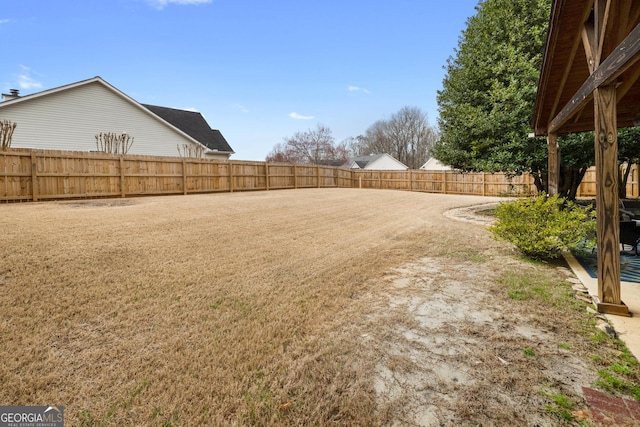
column 553, row 179
column 608, row 237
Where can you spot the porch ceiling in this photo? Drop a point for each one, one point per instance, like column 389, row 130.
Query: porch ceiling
column 570, row 70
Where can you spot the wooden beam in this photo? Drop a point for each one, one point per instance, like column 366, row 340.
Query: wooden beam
column 589, row 43
column 602, row 10
column 567, row 71
column 608, row 226
column 553, row 178
column 624, row 56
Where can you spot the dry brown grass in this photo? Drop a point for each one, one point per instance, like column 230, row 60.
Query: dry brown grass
column 266, row 308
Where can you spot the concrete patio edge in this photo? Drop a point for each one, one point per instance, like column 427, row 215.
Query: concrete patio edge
column 627, row 328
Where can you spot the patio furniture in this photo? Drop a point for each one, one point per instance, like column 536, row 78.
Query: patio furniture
column 630, row 208
column 629, row 235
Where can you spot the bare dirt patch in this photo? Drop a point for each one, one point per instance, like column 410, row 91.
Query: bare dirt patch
column 305, row 307
column 461, row 352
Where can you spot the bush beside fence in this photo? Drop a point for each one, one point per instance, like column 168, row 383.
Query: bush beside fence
column 45, row 174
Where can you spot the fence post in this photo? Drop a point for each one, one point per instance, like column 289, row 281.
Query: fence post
column 266, row 174
column 34, row 176
column 122, row 191
column 184, row 177
column 483, row 181
column 444, row 182
column 318, row 174
column 230, row 177
column 295, row 176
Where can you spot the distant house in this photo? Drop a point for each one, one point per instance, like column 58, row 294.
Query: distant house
column 434, row 165
column 375, row 162
column 68, row 118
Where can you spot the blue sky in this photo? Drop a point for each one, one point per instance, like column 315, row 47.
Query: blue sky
column 257, row 70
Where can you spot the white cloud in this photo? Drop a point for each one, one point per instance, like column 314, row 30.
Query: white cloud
column 297, row 116
column 161, row 4
column 4, row 21
column 351, row 88
column 26, row 81
column 240, row 107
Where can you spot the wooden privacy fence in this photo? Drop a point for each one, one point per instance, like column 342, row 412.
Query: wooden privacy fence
column 446, row 182
column 588, row 184
column 44, row 174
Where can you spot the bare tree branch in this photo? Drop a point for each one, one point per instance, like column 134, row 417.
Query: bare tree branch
column 407, row 136
column 314, row 146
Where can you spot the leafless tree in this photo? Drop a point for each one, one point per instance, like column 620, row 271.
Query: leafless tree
column 191, row 150
column 111, row 142
column 354, row 145
column 407, row 136
column 314, row 146
column 278, row 154
column 6, row 133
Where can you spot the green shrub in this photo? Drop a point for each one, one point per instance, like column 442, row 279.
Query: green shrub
column 542, row 227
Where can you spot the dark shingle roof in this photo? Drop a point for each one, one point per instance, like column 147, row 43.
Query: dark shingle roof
column 362, row 161
column 193, row 124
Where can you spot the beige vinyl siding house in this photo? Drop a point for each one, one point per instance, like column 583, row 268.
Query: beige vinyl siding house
column 69, row 117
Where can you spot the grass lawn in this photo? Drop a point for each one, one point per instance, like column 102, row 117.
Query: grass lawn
column 299, row 307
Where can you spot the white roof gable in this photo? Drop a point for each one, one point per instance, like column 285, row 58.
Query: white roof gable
column 376, row 162
column 68, row 118
column 434, row 165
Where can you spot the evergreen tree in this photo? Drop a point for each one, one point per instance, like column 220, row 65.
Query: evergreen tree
column 488, row 94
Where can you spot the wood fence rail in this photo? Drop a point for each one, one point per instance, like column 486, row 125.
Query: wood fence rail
column 32, row 175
